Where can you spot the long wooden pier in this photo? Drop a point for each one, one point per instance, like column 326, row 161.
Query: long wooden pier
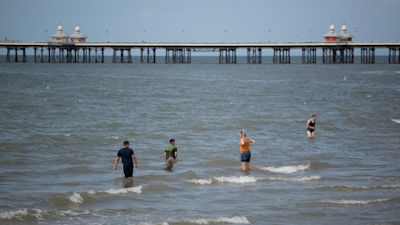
column 181, row 52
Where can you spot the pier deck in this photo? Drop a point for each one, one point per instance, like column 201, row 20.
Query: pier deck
column 181, row 52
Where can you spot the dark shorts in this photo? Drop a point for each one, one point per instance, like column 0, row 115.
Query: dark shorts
column 311, row 130
column 245, row 157
column 128, row 170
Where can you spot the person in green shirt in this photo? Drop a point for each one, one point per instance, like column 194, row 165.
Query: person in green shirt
column 170, row 153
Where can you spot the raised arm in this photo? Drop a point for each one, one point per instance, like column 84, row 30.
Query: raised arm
column 252, row 142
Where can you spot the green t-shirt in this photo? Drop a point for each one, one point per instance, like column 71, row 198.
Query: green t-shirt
column 170, row 150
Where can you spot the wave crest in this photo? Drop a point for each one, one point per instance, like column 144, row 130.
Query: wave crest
column 76, row 198
column 114, row 191
column 200, row 181
column 354, row 202
column 236, row 180
column 286, row 169
column 21, row 213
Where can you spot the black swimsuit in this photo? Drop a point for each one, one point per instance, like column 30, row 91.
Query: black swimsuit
column 311, row 127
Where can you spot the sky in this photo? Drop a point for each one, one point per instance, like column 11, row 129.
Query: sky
column 200, row 20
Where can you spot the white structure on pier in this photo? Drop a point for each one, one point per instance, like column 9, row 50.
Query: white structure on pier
column 333, row 36
column 345, row 35
column 77, row 37
column 60, row 36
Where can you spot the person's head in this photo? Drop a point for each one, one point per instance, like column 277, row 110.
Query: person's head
column 172, row 141
column 314, row 115
column 243, row 133
column 126, row 143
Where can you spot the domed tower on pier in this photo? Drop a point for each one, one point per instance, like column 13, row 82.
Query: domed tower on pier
column 345, row 36
column 332, row 35
column 60, row 36
column 77, row 37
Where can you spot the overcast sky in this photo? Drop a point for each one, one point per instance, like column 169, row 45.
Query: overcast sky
column 200, row 20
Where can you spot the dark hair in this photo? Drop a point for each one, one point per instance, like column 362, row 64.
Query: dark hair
column 126, row 142
column 171, row 140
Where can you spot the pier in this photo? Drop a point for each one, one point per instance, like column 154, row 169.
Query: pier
column 182, row 52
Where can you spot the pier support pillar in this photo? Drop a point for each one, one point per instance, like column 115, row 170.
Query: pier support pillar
column 16, row 55
column 8, row 57
column 89, row 55
column 129, row 55
column 281, row 56
column 254, row 55
column 148, row 55
column 178, row 55
column 227, row 56
column 102, row 55
column 367, row 55
column 309, row 55
column 394, row 55
column 34, row 54
column 24, row 59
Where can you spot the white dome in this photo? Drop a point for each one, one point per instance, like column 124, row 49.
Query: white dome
column 60, row 28
column 332, row 27
column 344, row 28
column 77, row 29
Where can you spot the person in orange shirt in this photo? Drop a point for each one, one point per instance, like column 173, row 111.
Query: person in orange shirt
column 244, row 147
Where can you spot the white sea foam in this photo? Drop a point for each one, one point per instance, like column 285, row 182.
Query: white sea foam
column 200, row 181
column 124, row 190
column 76, row 198
column 91, row 192
column 236, row 180
column 286, row 169
column 12, row 214
column 73, row 213
column 354, row 202
column 231, row 220
column 290, row 179
column 154, row 223
column 396, row 120
column 23, row 212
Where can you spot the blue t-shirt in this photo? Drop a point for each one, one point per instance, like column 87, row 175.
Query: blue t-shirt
column 126, row 155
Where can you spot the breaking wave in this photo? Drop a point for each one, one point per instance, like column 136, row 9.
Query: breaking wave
column 360, row 188
column 236, row 180
column 19, row 214
column 76, row 198
column 124, row 190
column 205, row 221
column 250, row 179
column 286, row 169
column 396, row 120
column 200, row 181
column 354, row 202
column 294, row 179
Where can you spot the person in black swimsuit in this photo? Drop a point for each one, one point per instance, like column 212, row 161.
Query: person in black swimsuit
column 311, row 125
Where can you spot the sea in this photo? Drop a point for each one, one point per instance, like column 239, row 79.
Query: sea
column 61, row 126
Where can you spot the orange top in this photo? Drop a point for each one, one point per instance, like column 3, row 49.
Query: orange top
column 245, row 147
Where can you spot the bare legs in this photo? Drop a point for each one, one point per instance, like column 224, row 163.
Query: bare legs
column 310, row 134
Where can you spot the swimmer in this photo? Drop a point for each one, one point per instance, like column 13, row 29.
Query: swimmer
column 170, row 153
column 244, row 147
column 311, row 125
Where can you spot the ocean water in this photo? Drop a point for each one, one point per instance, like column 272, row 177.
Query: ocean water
column 62, row 124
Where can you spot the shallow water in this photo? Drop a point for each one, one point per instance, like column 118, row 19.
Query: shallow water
column 61, row 126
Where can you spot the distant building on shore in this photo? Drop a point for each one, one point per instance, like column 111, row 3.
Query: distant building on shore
column 61, row 37
column 332, row 36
